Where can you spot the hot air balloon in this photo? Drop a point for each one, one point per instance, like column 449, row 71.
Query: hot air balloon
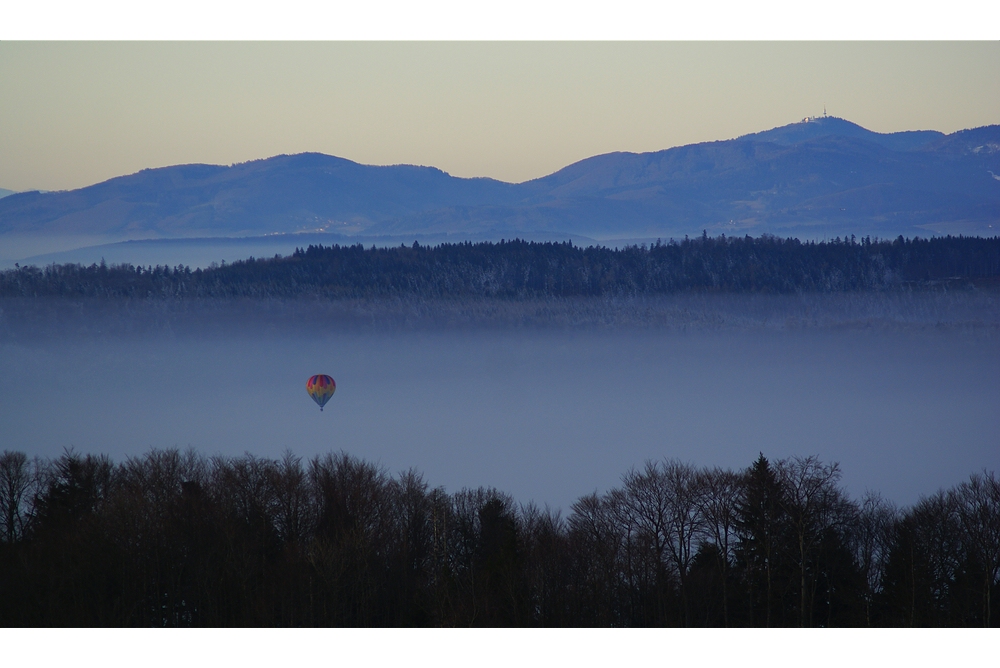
column 321, row 387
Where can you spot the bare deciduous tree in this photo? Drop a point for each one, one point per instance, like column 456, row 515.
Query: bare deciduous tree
column 872, row 537
column 720, row 490
column 977, row 502
column 812, row 504
column 15, row 482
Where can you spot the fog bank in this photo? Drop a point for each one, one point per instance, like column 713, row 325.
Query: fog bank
column 905, row 401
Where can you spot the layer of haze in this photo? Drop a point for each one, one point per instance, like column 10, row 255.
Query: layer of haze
column 73, row 114
column 545, row 415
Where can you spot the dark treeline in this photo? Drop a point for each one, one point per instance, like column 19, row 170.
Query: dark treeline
column 181, row 540
column 519, row 269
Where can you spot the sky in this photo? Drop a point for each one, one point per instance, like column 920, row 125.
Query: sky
column 77, row 113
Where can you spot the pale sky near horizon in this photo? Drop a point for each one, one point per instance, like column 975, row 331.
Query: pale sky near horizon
column 76, row 113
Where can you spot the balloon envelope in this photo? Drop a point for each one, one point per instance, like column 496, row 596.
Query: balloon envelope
column 321, row 387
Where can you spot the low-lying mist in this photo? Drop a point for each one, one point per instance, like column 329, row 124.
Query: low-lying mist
column 546, row 400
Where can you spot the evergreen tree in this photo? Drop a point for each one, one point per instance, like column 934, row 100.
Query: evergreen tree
column 762, row 528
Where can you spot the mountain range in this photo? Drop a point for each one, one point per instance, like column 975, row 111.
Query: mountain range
column 821, row 177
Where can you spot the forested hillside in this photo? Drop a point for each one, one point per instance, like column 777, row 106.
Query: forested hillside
column 171, row 539
column 519, row 269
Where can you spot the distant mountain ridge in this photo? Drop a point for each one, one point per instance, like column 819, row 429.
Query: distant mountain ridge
column 820, row 126
column 824, row 176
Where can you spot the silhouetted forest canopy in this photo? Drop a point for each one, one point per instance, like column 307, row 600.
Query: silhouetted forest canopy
column 178, row 539
column 524, row 270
